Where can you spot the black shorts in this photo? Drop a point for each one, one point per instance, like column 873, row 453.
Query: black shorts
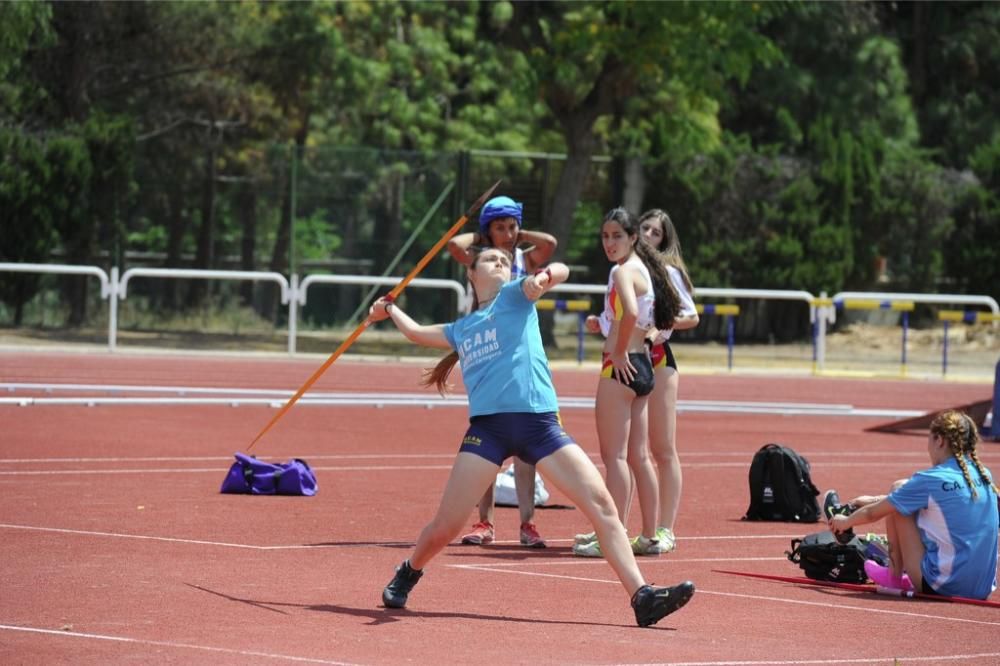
column 642, row 382
column 662, row 356
column 926, row 588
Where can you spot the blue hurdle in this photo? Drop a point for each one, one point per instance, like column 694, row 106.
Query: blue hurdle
column 906, row 307
column 729, row 311
column 562, row 305
column 966, row 317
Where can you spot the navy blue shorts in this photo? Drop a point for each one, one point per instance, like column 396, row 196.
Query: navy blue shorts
column 528, row 436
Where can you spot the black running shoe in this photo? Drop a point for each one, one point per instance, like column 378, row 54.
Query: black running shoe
column 651, row 604
column 832, row 507
column 396, row 592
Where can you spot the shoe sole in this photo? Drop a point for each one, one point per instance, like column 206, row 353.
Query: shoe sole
column 476, row 541
column 537, row 544
column 683, row 597
column 591, row 555
column 828, row 506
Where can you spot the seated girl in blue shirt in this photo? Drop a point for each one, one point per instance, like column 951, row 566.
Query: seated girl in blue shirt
column 941, row 523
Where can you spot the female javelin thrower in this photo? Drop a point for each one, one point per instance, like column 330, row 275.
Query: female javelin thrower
column 513, row 411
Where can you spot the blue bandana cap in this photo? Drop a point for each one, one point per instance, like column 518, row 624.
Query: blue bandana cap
column 498, row 207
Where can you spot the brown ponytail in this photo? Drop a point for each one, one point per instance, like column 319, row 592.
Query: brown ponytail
column 438, row 375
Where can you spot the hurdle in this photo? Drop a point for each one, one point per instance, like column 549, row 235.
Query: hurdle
column 962, row 316
column 905, row 307
column 581, row 307
column 729, row 311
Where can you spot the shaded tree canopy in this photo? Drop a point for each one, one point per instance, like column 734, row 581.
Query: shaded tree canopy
column 288, row 133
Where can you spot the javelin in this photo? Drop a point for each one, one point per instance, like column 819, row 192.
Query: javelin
column 366, row 323
column 856, row 587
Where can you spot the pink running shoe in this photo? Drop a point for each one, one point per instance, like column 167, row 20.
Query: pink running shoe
column 882, row 576
column 530, row 536
column 481, row 534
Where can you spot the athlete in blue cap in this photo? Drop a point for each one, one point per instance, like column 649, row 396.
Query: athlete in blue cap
column 500, row 226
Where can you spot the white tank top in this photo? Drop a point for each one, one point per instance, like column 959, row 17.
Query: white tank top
column 613, row 309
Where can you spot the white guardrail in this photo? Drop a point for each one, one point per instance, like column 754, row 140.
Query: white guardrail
column 822, row 310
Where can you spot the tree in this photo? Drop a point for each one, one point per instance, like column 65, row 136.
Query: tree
column 587, row 58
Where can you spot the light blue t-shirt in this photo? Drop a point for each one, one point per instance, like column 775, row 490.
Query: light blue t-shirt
column 959, row 532
column 504, row 366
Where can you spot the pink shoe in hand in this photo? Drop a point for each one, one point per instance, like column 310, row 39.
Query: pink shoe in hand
column 882, row 576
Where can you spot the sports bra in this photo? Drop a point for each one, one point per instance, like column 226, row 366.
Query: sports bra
column 613, row 309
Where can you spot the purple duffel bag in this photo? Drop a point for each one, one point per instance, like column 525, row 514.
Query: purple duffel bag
column 255, row 477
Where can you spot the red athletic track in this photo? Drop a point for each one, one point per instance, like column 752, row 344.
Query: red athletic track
column 154, row 566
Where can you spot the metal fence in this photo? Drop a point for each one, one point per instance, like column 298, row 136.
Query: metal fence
column 293, row 295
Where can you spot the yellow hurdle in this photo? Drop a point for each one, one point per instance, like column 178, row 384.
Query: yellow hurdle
column 562, row 305
column 961, row 316
column 718, row 309
column 873, row 304
column 968, row 316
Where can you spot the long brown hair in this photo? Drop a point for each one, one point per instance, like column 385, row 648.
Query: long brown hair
column 960, row 433
column 670, row 245
column 439, row 374
column 667, row 304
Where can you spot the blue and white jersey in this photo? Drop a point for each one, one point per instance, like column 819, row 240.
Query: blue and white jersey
column 959, row 533
column 518, row 267
column 504, row 365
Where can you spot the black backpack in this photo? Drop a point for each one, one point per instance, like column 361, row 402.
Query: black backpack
column 780, row 487
column 822, row 557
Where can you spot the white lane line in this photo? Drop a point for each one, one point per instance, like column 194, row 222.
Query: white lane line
column 171, row 644
column 196, row 542
column 340, row 468
column 311, row 660
column 893, row 661
column 922, row 455
column 238, row 397
column 214, row 470
column 58, row 530
column 756, row 597
column 358, row 456
column 120, row 535
column 590, row 561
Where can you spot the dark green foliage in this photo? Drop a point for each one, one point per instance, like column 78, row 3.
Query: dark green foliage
column 795, row 145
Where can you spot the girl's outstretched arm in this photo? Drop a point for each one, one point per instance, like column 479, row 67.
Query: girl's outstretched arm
column 428, row 336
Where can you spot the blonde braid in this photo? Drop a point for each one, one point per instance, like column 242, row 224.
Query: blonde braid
column 960, row 457
column 961, row 435
column 971, row 449
column 982, row 472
